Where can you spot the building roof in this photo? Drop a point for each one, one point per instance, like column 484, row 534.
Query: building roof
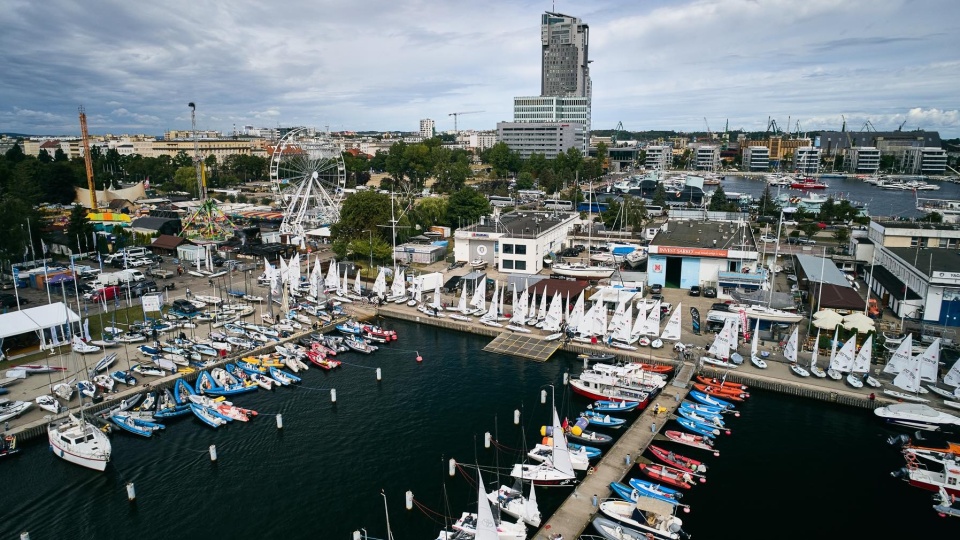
column 697, row 234
column 840, row 298
column 168, row 241
column 521, row 224
column 820, row 270
column 566, row 287
column 153, row 223
column 927, row 260
column 893, row 285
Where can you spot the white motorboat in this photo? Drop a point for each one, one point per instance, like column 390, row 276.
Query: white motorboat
column 916, row 415
column 78, row 346
column 514, row 504
column 80, row 442
column 770, row 314
column 48, row 402
column 13, row 409
column 649, row 516
column 582, row 271
column 478, row 264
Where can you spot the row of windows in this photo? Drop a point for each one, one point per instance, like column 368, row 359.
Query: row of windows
column 508, row 264
column 518, row 249
column 949, row 243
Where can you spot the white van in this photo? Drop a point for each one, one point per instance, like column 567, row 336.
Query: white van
column 135, row 252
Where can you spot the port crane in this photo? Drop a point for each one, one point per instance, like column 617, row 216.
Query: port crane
column 87, row 159
column 456, row 132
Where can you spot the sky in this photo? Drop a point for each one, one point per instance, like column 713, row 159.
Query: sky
column 684, row 65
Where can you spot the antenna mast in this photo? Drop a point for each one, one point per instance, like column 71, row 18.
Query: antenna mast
column 87, row 159
column 196, row 151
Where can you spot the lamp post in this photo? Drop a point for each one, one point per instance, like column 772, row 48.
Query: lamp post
column 371, row 247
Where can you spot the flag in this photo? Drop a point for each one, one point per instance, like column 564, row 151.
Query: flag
column 146, row 183
column 43, row 246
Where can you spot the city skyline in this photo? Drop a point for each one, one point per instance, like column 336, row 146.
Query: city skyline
column 655, row 65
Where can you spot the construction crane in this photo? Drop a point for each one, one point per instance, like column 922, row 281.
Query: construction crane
column 616, row 131
column 901, row 125
column 709, row 133
column 868, row 126
column 87, row 159
column 456, row 132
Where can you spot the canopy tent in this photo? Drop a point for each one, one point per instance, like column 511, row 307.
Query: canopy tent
column 861, row 322
column 827, row 319
column 36, row 320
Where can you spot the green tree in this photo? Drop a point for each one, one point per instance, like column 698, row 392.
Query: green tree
column 660, row 196
column 827, row 210
column 502, row 159
column 361, row 211
column 718, row 201
column 810, row 228
column 635, row 212
column 185, row 179
column 602, row 154
column 465, row 207
column 768, row 204
column 536, row 164
column 842, row 235
column 525, row 180
column 428, row 212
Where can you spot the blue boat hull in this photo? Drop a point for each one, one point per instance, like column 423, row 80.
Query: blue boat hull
column 694, row 427
column 710, row 400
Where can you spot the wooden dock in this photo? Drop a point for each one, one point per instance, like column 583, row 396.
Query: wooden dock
column 574, row 515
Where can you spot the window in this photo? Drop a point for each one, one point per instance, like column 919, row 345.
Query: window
column 521, row 265
column 914, row 241
column 508, row 248
column 521, row 249
column 506, row 264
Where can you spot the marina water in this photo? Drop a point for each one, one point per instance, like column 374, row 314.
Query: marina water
column 793, row 468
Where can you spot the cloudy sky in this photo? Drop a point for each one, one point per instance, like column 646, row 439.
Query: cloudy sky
column 385, row 64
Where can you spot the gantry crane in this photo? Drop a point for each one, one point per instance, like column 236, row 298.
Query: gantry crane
column 456, row 132
column 87, row 159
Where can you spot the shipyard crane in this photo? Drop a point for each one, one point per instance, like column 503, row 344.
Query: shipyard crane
column 456, row 132
column 616, row 131
column 87, row 159
column 901, row 125
column 709, row 133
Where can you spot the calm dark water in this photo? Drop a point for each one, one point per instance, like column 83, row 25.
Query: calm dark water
column 879, row 202
column 792, row 468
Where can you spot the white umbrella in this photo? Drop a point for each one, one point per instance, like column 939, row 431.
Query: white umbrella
column 827, row 319
column 861, row 322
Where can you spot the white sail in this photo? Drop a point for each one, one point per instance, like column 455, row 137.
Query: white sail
column 345, row 285
column 720, row 348
column 316, row 276
column 519, row 308
column 585, row 328
column 790, row 349
column 901, row 357
column 491, row 314
column 486, row 525
column 909, row 377
column 576, row 316
column 952, row 378
column 651, row 326
column 333, row 279
column 861, row 364
column 380, row 284
column 531, row 511
column 356, row 284
column 561, row 454
column 930, row 362
column 816, row 347
column 437, row 302
column 542, row 311
column 418, row 291
column 672, row 330
column 293, row 275
column 551, row 323
column 833, row 347
column 600, row 320
column 462, row 303
column 843, row 360
column 398, row 287
column 621, row 326
column 638, row 323
column 479, row 299
column 500, row 303
column 532, row 310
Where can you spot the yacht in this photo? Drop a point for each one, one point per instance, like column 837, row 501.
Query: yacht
column 80, row 442
column 916, row 415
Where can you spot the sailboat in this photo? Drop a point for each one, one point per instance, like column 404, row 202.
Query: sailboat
column 719, row 351
column 380, row 284
column 901, row 357
column 482, row 525
column 908, row 379
column 461, row 312
column 559, row 472
column 671, row 331
column 816, row 370
column 519, row 312
column 581, row 270
column 490, row 318
column 754, row 350
column 554, row 318
column 832, row 373
column 651, row 325
column 541, row 311
column 479, row 300
column 861, row 365
column 398, row 289
column 842, row 362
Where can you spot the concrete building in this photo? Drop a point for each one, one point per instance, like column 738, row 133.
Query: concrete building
column 888, row 142
column 427, row 128
column 477, row 140
column 708, row 157
column 756, row 158
column 924, row 161
column 514, row 242
column 547, row 138
column 562, row 109
column 915, row 269
column 565, row 63
column 688, row 253
column 806, row 159
column 659, row 157
column 864, row 159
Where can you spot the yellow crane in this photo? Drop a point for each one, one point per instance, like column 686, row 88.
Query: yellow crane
column 87, row 159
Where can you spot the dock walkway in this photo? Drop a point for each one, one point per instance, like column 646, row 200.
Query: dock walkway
column 576, row 512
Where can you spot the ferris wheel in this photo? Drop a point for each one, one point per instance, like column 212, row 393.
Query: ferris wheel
column 309, row 177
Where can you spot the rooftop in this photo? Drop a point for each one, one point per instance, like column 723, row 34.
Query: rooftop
column 820, row 270
column 699, row 234
column 927, row 260
column 521, row 223
column 918, row 225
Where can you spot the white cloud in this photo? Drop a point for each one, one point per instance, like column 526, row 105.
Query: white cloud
column 384, row 64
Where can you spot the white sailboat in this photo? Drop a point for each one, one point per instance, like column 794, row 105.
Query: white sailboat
column 908, row 379
column 719, row 351
column 482, row 525
column 843, row 361
column 461, row 311
column 587, row 329
column 519, row 315
column 816, row 370
column 512, row 502
column 901, row 357
column 621, row 326
column 380, row 284
column 479, row 299
column 493, row 313
column 651, row 326
column 861, row 367
column 787, row 350
column 332, row 281
column 577, row 314
column 559, row 472
column 581, row 270
column 832, row 373
column 398, row 289
column 542, row 310
column 554, row 318
column 930, row 362
column 79, row 442
column 672, row 330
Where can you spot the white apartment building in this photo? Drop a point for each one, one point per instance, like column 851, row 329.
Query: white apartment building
column 806, row 159
column 864, row 159
column 477, row 140
column 756, row 158
column 554, row 109
column 708, row 157
column 925, row 161
column 659, row 157
column 514, row 242
column 427, row 128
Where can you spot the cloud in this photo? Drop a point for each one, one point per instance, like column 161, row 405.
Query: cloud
column 384, row 65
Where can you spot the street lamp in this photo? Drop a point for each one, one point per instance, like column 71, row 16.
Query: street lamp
column 371, row 247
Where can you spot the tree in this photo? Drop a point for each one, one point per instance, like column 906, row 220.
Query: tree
column 718, row 201
column 185, row 179
column 660, row 196
column 465, row 207
column 536, row 164
column 502, row 159
column 525, row 180
column 810, row 228
column 361, row 211
column 602, row 155
column 429, row 212
column 842, row 234
column 634, row 211
column 768, row 205
column 827, row 210
column 44, row 156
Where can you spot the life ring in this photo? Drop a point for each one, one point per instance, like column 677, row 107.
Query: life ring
column 481, row 250
column 591, row 470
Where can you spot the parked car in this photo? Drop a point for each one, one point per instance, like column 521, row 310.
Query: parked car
column 105, row 293
column 8, row 300
column 709, row 292
column 803, row 241
column 656, row 289
column 695, row 290
column 768, row 238
column 183, row 306
column 143, row 287
column 6, row 284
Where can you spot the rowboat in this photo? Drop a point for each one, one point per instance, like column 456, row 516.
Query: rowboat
column 697, row 428
column 656, row 491
column 722, row 392
column 710, row 400
column 632, row 494
column 676, row 460
column 669, row 475
column 605, row 406
column 603, row 420
column 713, row 381
column 693, row 441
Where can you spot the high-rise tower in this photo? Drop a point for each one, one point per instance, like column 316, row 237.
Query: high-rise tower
column 565, row 63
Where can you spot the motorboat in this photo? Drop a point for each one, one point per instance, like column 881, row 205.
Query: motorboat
column 916, row 415
column 769, row 314
column 647, row 516
column 478, row 264
column 583, row 271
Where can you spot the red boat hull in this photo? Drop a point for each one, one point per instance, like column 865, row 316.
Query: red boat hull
column 663, row 474
column 597, row 396
column 723, row 393
column 681, row 462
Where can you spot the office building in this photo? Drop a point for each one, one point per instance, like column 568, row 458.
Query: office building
column 565, row 64
column 864, row 159
column 806, row 160
column 547, row 138
column 756, row 158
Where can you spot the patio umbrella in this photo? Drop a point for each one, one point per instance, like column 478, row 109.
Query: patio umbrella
column 858, row 321
column 827, row 319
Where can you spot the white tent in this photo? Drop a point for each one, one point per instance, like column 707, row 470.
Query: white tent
column 36, row 319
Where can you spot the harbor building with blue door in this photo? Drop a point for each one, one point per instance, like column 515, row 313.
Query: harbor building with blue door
column 704, row 253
